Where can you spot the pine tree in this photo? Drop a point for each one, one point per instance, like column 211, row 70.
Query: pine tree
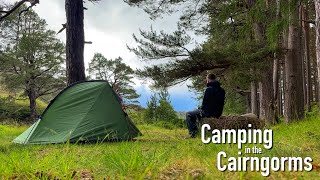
column 159, row 108
column 150, row 114
column 117, row 73
column 165, row 111
column 32, row 57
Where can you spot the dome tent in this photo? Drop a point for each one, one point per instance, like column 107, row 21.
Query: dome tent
column 84, row 111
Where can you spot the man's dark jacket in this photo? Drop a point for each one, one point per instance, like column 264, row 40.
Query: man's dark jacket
column 213, row 100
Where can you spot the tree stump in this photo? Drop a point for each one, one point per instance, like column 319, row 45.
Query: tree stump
column 234, row 122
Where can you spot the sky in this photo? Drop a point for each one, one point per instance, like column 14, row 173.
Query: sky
column 110, row 25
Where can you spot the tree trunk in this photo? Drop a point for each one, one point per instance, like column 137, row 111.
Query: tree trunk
column 254, row 102
column 294, row 105
column 265, row 85
column 261, row 109
column 315, row 81
column 267, row 110
column 284, row 66
column 314, row 72
column 248, row 103
column 276, row 72
column 276, row 86
column 317, row 28
column 266, row 95
column 253, row 89
column 280, row 92
column 31, row 92
column 303, row 64
column 75, row 41
column 306, row 56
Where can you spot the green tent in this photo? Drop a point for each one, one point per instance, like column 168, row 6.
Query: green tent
column 84, row 111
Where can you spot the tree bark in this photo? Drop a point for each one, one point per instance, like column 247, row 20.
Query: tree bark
column 276, row 85
column 294, row 105
column 317, row 28
column 313, row 59
column 306, row 38
column 276, row 72
column 75, row 41
column 266, row 95
column 303, row 64
column 31, row 92
column 254, row 102
column 281, row 91
column 248, row 103
column 315, row 81
column 284, row 66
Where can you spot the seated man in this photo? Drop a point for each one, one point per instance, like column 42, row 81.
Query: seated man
column 212, row 105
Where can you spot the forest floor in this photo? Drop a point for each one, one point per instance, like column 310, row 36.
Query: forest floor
column 159, row 154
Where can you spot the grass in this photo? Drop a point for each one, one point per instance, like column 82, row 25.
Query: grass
column 159, row 154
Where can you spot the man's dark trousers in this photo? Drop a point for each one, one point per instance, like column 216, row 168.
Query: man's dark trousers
column 191, row 119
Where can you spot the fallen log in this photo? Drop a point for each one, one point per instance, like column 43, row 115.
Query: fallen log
column 234, row 122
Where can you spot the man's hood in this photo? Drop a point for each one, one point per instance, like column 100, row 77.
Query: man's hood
column 213, row 84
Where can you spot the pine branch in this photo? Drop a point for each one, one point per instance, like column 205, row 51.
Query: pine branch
column 12, row 9
column 15, row 7
column 33, row 3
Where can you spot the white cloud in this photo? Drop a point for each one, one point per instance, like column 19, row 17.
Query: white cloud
column 109, row 25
